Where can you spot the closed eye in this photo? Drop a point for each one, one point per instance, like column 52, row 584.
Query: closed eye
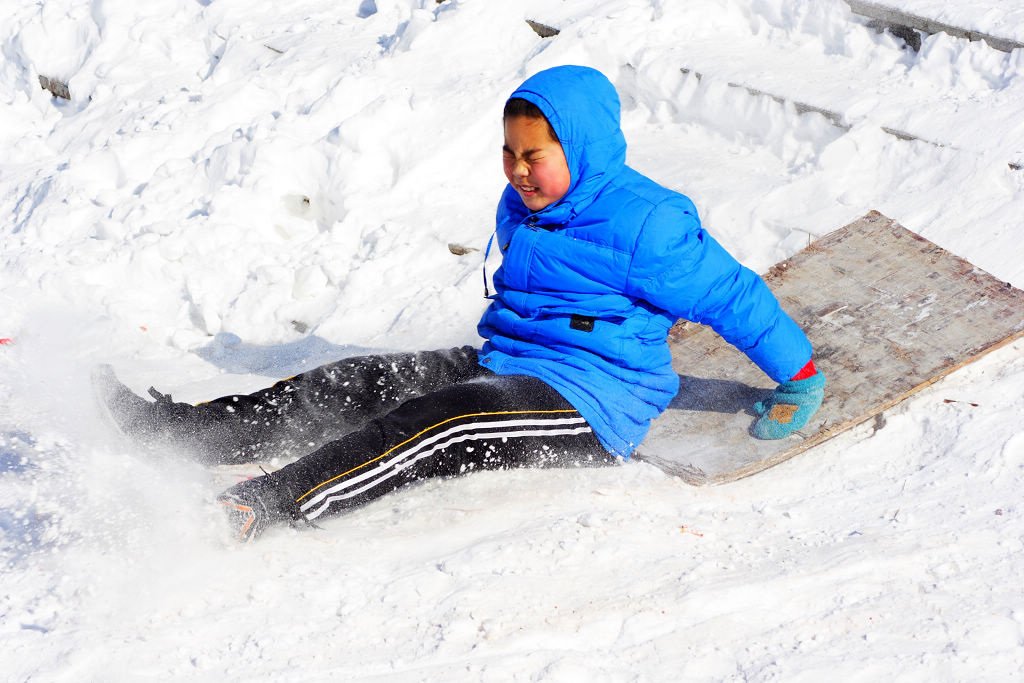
column 529, row 155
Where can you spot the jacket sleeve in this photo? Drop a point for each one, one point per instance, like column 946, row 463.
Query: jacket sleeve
column 678, row 267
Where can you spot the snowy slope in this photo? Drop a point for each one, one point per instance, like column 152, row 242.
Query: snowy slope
column 239, row 190
column 1000, row 18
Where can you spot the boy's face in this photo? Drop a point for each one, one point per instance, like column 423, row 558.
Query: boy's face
column 534, row 163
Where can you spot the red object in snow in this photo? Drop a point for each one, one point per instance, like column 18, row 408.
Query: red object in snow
column 6, row 341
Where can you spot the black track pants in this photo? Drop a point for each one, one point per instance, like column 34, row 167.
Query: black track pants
column 396, row 419
column 298, row 415
column 490, row 422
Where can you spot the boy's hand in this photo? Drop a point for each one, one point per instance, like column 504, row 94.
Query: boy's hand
column 790, row 408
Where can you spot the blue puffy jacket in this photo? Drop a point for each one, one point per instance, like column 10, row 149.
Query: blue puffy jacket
column 590, row 285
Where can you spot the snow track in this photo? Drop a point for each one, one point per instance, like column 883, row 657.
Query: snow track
column 236, row 191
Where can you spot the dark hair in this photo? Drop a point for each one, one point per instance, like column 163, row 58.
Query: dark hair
column 517, row 106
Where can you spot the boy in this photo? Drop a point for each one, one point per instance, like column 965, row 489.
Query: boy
column 598, row 263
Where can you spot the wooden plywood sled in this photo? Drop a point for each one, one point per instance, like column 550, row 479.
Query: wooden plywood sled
column 888, row 313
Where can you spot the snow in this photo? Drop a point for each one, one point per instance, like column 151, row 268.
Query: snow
column 237, row 191
column 999, row 18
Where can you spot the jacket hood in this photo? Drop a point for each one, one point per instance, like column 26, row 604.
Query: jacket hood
column 583, row 108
